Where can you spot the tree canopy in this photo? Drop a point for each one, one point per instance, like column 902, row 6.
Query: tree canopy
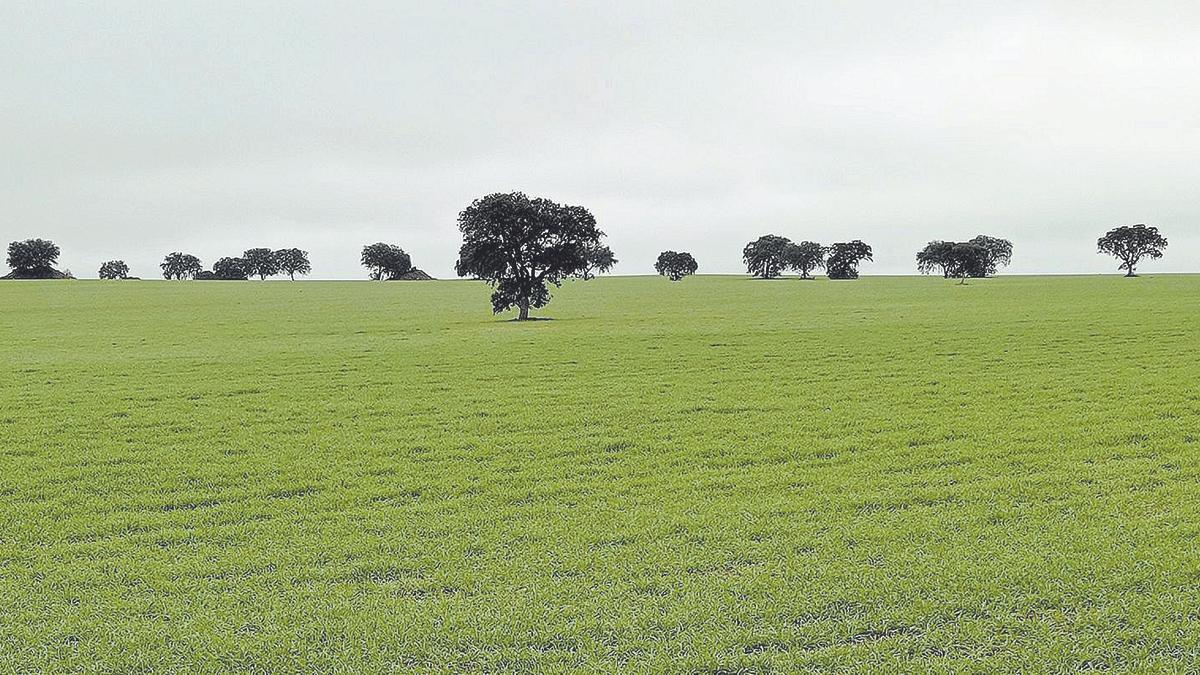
column 259, row 262
column 180, row 266
column 598, row 259
column 32, row 256
column 231, row 269
column 292, row 261
column 114, row 269
column 997, row 253
column 675, row 266
column 979, row 257
column 768, row 256
column 806, row 257
column 385, row 261
column 1130, row 244
column 935, row 257
column 520, row 244
column 844, row 259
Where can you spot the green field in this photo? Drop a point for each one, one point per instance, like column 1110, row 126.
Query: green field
column 718, row 474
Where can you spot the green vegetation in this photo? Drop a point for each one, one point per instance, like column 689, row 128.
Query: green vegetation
column 717, row 474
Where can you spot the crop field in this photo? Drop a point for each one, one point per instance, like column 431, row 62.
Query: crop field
column 716, row 475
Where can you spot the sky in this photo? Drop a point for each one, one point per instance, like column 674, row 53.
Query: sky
column 132, row 129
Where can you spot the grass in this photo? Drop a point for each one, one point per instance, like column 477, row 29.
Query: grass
column 720, row 474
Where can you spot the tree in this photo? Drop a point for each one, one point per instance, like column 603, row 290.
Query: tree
column 844, row 259
column 965, row 260
column 259, row 262
column 114, row 269
column 768, row 256
column 998, row 253
column 180, row 266
column 598, row 259
column 292, row 261
column 935, row 256
column 519, row 245
column 675, row 266
column 32, row 257
column 1131, row 244
column 231, row 269
column 385, row 261
column 806, row 257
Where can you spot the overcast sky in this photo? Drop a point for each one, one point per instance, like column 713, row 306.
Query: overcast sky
column 129, row 130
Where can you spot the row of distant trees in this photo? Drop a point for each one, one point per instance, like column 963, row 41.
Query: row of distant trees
column 522, row 246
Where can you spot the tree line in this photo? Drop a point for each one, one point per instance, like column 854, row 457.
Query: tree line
column 522, row 246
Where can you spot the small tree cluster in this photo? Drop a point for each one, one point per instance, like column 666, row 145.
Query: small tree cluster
column 769, row 256
column 979, row 257
column 33, row 257
column 114, row 269
column 675, row 266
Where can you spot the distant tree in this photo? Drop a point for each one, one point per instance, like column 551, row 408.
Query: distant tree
column 806, row 257
column 114, row 269
column 768, row 256
column 385, row 261
column 935, row 257
column 999, row 253
column 967, row 259
column 260, row 262
column 844, row 259
column 205, row 275
column 231, row 269
column 598, row 259
column 292, row 261
column 675, row 266
column 519, row 245
column 32, row 257
column 180, row 266
column 1131, row 244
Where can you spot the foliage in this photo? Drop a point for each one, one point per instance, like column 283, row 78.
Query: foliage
column 259, row 262
column 180, row 266
column 32, row 255
column 806, row 257
column 888, row 476
column 1131, row 244
column 675, row 266
column 768, row 256
column 231, row 269
column 292, row 261
column 844, row 259
column 998, row 252
column 114, row 269
column 935, row 257
column 519, row 245
column 598, row 259
column 385, row 261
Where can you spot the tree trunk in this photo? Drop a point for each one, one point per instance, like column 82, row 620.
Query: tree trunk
column 524, row 315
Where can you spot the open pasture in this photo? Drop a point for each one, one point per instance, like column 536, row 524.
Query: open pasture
column 718, row 474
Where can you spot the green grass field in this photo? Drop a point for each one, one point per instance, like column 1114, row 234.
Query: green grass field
column 720, row 474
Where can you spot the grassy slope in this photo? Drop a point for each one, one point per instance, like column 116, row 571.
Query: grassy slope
column 717, row 473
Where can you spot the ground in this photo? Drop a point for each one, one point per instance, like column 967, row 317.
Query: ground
column 716, row 474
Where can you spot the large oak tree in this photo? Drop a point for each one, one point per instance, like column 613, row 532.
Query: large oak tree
column 520, row 245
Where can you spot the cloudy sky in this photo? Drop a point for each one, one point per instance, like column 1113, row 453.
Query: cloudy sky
column 128, row 130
